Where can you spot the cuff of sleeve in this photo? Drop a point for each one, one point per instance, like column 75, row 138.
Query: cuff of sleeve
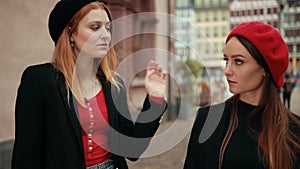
column 156, row 99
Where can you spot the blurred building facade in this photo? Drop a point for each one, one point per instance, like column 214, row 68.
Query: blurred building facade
column 201, row 34
column 290, row 29
column 267, row 11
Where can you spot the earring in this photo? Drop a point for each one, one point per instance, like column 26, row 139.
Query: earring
column 72, row 44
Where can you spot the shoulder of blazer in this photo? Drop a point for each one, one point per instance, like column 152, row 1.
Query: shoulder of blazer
column 210, row 118
column 203, row 112
column 43, row 72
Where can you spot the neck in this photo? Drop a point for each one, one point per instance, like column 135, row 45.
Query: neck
column 252, row 99
column 86, row 67
column 86, row 72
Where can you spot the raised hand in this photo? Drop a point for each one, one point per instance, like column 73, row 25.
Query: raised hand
column 156, row 79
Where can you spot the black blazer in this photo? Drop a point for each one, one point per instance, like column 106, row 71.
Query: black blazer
column 204, row 154
column 48, row 132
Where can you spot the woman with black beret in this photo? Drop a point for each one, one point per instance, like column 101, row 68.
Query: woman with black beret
column 72, row 113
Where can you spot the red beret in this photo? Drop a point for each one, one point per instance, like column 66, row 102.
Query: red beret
column 270, row 45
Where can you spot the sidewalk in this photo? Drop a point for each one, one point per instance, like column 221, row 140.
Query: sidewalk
column 174, row 158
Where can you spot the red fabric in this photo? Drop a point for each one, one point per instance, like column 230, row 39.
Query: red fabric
column 156, row 99
column 99, row 140
column 270, row 45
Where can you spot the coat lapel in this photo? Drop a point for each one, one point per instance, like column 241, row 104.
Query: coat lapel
column 109, row 101
column 213, row 145
column 71, row 108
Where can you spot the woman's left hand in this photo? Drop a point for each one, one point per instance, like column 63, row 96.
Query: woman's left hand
column 155, row 80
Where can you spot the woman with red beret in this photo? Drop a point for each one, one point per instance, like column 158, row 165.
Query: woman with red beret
column 72, row 113
column 252, row 129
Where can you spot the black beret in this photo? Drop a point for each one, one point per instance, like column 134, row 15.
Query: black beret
column 62, row 13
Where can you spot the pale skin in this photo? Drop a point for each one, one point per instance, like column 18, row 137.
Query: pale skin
column 244, row 76
column 92, row 38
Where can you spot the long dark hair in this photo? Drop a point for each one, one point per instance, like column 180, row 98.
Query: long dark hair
column 277, row 140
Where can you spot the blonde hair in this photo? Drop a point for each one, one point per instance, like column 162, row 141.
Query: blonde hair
column 64, row 57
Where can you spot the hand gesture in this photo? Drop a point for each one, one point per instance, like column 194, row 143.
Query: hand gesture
column 155, row 80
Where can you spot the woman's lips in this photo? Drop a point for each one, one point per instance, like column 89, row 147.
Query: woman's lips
column 231, row 82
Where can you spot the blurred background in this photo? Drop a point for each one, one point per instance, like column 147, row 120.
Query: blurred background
column 193, row 42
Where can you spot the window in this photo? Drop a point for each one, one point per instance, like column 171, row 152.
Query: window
column 207, row 32
column 224, row 31
column 215, row 31
column 231, row 13
column 206, row 16
column 298, row 47
column 275, row 24
column 224, row 16
column 297, row 17
column 215, row 16
column 288, row 17
column 198, row 16
column 290, row 48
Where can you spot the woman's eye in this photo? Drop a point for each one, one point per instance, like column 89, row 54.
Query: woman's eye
column 225, row 59
column 238, row 62
column 95, row 28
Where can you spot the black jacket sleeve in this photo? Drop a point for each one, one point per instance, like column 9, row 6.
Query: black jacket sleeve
column 28, row 147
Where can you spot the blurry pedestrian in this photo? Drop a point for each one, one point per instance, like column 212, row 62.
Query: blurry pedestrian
column 287, row 91
column 204, row 96
column 255, row 131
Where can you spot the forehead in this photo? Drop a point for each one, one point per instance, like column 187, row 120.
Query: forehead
column 235, row 47
column 99, row 15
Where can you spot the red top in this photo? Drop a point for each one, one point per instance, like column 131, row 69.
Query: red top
column 95, row 129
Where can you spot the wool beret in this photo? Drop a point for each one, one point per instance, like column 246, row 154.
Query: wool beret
column 62, row 13
column 269, row 43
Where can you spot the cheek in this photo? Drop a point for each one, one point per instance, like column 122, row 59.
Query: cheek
column 82, row 38
column 253, row 79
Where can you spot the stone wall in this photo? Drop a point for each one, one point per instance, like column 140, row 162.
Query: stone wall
column 24, row 41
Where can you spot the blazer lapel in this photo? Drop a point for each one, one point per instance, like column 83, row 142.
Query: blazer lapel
column 71, row 108
column 214, row 143
column 109, row 101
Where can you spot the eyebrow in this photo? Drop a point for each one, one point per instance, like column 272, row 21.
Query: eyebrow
column 235, row 56
column 101, row 22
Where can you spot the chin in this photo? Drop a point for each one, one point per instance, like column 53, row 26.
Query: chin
column 233, row 91
column 99, row 55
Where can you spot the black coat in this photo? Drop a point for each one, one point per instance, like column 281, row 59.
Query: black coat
column 211, row 124
column 48, row 132
column 204, row 154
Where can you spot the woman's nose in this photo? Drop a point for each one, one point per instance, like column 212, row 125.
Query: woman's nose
column 227, row 70
column 105, row 34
